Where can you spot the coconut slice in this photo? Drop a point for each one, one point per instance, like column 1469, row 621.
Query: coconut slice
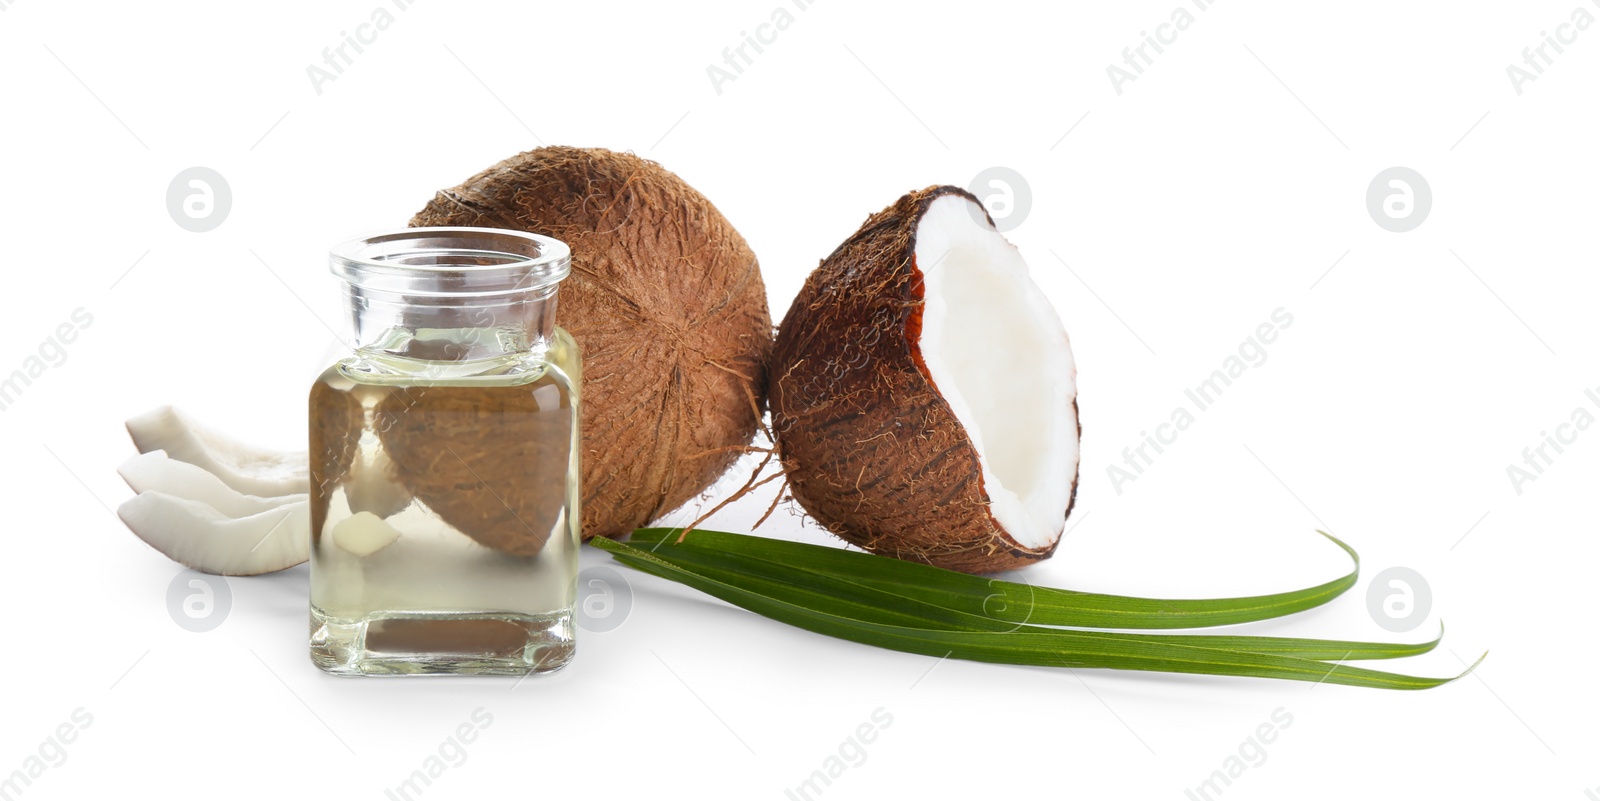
column 364, row 534
column 245, row 468
column 155, row 472
column 198, row 536
column 924, row 392
column 371, row 487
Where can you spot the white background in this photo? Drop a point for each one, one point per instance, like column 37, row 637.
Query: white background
column 1166, row 223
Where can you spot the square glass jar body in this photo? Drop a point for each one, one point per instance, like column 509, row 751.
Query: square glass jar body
column 444, row 483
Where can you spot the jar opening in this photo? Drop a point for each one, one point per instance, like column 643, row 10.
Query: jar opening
column 452, row 262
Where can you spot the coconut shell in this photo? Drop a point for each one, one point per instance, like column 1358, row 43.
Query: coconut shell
column 489, row 461
column 336, row 419
column 669, row 310
column 870, row 448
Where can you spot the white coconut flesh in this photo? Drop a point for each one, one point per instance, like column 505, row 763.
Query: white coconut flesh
column 212, row 503
column 195, row 534
column 156, row 472
column 247, row 469
column 998, row 354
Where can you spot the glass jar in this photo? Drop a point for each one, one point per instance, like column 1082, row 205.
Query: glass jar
column 444, row 460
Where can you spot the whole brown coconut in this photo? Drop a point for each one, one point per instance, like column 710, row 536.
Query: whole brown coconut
column 667, row 304
column 923, row 392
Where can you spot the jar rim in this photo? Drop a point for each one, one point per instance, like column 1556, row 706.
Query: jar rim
column 452, row 261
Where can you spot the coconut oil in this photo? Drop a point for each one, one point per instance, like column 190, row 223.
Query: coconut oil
column 444, row 467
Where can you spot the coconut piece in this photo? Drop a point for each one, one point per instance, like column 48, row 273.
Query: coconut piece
column 337, row 420
column 368, row 481
column 245, row 468
column 371, row 486
column 667, row 304
column 364, row 534
column 489, row 461
column 198, row 536
column 924, row 393
column 155, row 472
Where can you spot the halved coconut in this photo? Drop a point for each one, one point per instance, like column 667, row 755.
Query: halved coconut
column 247, row 469
column 924, row 395
column 198, row 536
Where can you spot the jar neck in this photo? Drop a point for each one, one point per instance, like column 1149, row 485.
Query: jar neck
column 451, row 294
column 451, row 329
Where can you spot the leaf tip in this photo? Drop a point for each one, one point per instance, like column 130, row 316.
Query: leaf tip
column 1356, row 557
column 1470, row 668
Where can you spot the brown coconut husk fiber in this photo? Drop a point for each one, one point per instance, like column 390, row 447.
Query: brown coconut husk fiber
column 336, row 420
column 490, row 461
column 669, row 310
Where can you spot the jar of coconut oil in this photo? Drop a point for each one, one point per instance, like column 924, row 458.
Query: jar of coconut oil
column 444, row 460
